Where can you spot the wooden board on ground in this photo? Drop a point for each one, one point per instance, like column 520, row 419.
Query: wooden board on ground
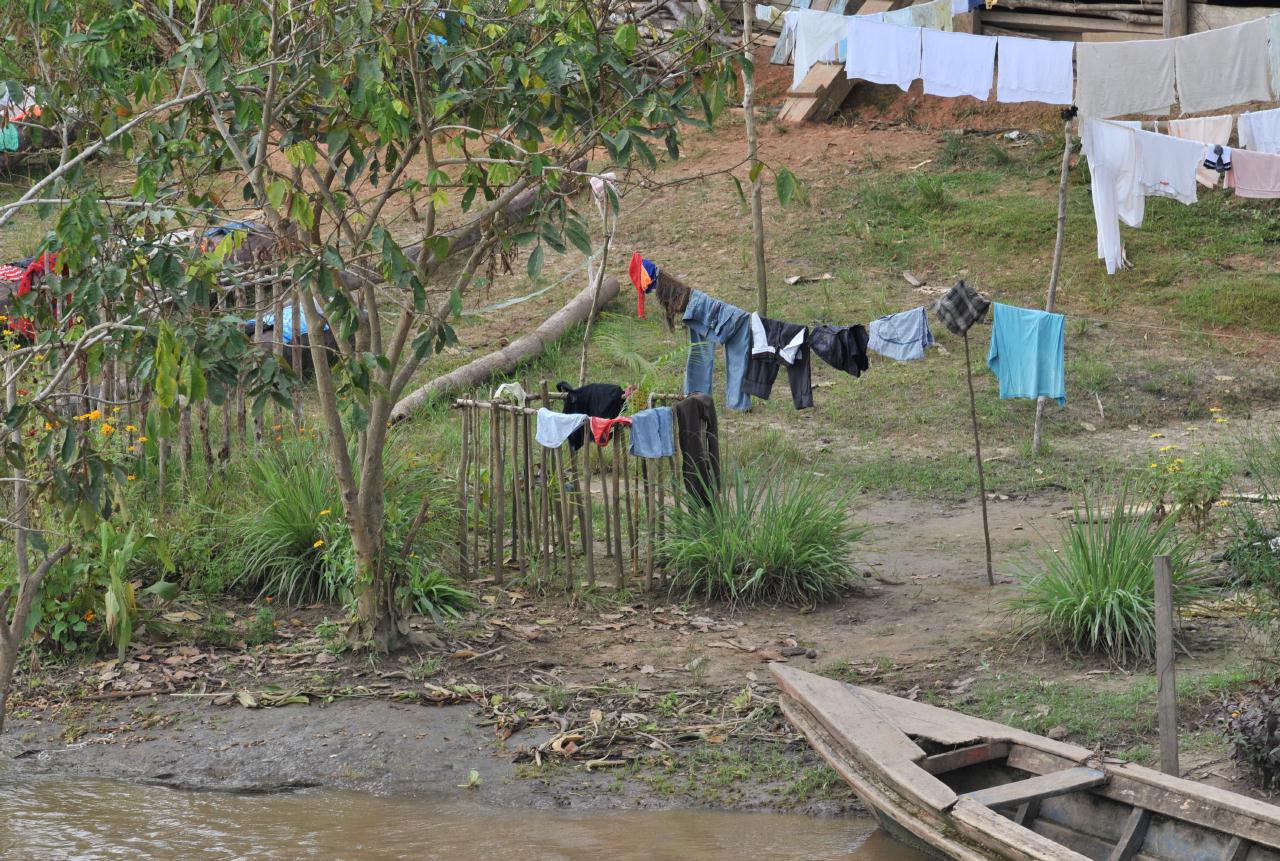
column 825, row 87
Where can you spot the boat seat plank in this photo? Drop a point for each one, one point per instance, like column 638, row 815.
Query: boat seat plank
column 962, row 757
column 1135, row 831
column 1237, row 850
column 868, row 734
column 1009, row 840
column 1039, row 787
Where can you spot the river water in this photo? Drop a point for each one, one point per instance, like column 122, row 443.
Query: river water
column 98, row 820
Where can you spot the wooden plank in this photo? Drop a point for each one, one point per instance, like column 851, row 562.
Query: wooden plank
column 868, row 734
column 1135, row 832
column 965, row 756
column 983, row 825
column 952, row 728
column 925, row 828
column 1039, row 787
column 1117, row 37
column 1195, row 803
column 1027, row 813
column 1174, row 18
column 1036, row 21
column 1237, row 850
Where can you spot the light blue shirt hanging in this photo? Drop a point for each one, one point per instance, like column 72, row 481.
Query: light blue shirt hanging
column 554, row 428
column 653, row 433
column 1027, row 353
column 903, row 336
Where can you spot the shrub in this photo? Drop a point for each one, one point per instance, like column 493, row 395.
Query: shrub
column 1253, row 552
column 769, row 537
column 434, row 594
column 1096, row 594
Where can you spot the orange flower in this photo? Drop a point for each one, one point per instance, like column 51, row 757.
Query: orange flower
column 89, row 616
column 317, row 544
column 131, row 477
column 269, row 599
column 107, row 429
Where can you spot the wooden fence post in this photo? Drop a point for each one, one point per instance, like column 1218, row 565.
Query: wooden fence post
column 1056, row 269
column 977, row 454
column 1166, row 681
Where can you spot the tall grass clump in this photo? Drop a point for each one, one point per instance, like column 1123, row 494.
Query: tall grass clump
column 1253, row 551
column 286, row 534
column 1096, row 594
column 768, row 537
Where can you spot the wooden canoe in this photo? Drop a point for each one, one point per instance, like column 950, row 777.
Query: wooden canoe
column 973, row 790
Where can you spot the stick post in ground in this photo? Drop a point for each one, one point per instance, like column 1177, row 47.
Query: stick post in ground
column 753, row 160
column 977, row 454
column 1167, row 687
column 1056, row 269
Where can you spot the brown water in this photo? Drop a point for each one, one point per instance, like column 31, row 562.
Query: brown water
column 55, row 820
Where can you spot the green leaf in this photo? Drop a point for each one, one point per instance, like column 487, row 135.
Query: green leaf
column 535, row 261
column 737, row 183
column 755, row 171
column 163, row 589
column 627, row 38
column 785, row 181
column 276, row 190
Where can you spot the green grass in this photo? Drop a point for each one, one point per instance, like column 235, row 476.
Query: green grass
column 1095, row 594
column 1107, row 713
column 770, row 536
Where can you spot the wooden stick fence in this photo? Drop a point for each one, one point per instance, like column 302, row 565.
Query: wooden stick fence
column 551, row 515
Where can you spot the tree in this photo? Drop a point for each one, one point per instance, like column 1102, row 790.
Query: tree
column 384, row 142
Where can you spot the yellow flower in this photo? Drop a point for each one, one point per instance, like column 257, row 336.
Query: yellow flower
column 48, row 426
column 3, row 318
column 1155, row 466
column 1220, row 420
column 1215, row 409
column 142, row 439
column 115, row 411
column 89, row 616
column 324, row 512
column 131, row 428
column 275, row 427
column 131, row 448
column 1222, row 503
column 1169, row 447
column 107, row 429
column 317, row 544
column 132, row 477
column 1157, row 435
column 94, row 415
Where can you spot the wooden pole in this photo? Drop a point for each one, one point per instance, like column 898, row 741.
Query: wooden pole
column 618, row 513
column 500, row 479
column 587, row 513
column 604, row 495
column 977, row 453
column 494, row 552
column 1174, row 18
column 624, row 458
column 757, row 203
column 544, row 510
column 296, row 355
column 566, row 519
column 463, row 503
column 477, row 492
column 650, row 514
column 517, row 538
column 1167, row 686
column 277, row 345
column 1056, row 269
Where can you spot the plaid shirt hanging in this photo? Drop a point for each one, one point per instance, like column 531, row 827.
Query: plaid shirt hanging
column 960, row 308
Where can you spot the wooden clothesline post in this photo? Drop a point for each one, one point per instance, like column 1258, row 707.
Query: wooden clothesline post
column 977, row 453
column 1056, row 268
column 753, row 159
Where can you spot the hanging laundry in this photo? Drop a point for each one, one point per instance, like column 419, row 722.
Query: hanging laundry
column 1168, row 165
column 843, row 348
column 1035, row 70
column 960, row 7
column 552, row 428
column 512, row 393
column 602, row 429
column 1210, row 131
column 1217, row 158
column 1226, row 66
column 817, row 37
column 765, row 13
column 1260, row 130
column 11, row 272
column 699, row 447
column 776, row 344
column 1027, row 353
column 673, row 296
column 1254, row 174
column 882, row 53
column 653, row 433
column 957, row 64
column 601, row 400
column 1115, row 78
column 903, row 336
column 1273, row 48
column 960, row 308
column 711, row 322
column 640, row 277
column 1112, row 151
column 933, row 16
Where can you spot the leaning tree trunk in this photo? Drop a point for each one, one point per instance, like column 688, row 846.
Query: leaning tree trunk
column 8, row 658
column 522, row 349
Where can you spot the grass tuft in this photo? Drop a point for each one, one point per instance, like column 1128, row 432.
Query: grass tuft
column 1096, row 595
column 770, row 537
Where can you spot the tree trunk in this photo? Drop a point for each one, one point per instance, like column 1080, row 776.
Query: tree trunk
column 8, row 657
column 507, row 359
